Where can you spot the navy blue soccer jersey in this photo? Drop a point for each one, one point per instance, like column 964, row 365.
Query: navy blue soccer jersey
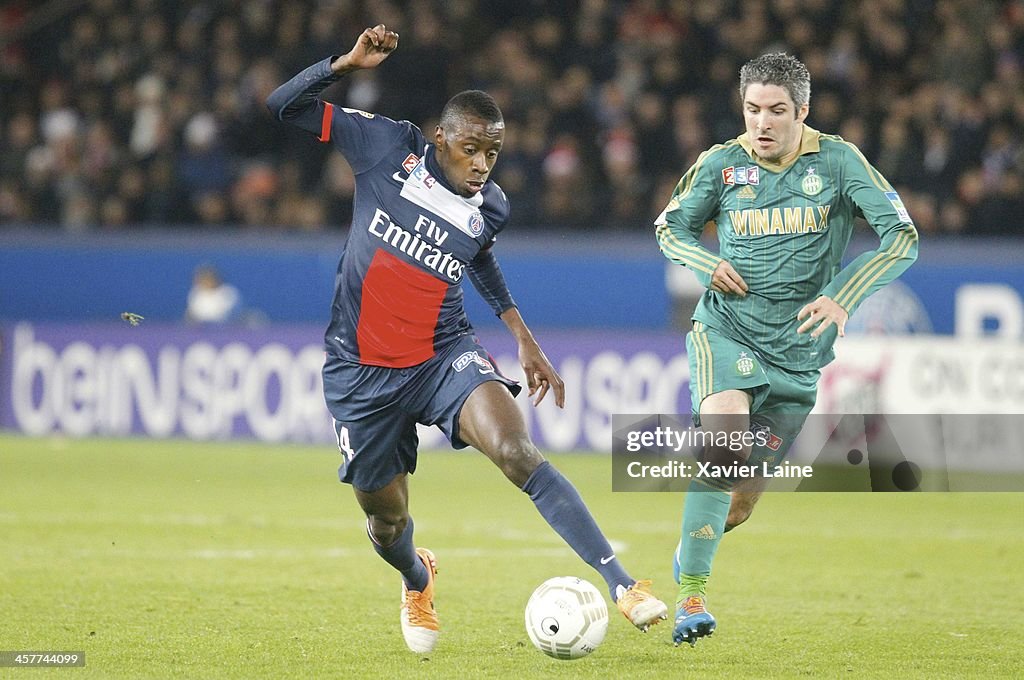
column 398, row 293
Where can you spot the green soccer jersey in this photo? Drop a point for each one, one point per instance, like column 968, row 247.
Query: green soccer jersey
column 784, row 230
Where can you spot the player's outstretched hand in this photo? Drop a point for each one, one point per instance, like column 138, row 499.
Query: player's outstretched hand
column 824, row 311
column 541, row 376
column 727, row 280
column 373, row 46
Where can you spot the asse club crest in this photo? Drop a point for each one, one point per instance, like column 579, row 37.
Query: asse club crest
column 745, row 365
column 812, row 183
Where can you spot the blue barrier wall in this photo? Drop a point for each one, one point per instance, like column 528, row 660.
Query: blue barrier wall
column 569, row 280
column 564, row 281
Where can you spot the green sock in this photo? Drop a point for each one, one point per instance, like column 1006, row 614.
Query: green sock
column 704, row 514
column 690, row 585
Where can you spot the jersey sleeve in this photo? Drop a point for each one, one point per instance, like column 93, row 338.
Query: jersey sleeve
column 363, row 138
column 488, row 280
column 679, row 227
column 885, row 212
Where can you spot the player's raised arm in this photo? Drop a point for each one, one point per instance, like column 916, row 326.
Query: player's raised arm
column 363, row 138
column 373, row 46
column 298, row 100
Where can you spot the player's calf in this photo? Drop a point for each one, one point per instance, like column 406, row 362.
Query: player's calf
column 743, row 498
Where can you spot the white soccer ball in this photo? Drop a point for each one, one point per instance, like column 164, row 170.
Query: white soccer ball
column 566, row 617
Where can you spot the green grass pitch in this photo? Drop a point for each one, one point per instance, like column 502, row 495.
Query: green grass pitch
column 173, row 559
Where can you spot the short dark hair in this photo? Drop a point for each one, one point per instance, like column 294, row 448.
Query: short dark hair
column 475, row 103
column 778, row 69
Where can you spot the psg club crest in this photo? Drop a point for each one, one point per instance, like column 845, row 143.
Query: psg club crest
column 476, row 224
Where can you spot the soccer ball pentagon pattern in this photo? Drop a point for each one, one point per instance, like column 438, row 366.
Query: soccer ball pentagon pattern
column 566, row 617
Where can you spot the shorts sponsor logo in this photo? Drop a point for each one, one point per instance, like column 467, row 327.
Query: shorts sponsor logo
column 467, row 359
column 763, row 433
column 745, row 365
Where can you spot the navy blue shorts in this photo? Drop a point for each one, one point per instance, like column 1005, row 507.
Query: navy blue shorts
column 376, row 409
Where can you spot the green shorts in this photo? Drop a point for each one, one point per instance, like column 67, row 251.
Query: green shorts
column 781, row 398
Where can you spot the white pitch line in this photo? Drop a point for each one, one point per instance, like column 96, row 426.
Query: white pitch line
column 346, row 522
column 177, row 519
column 266, row 553
column 334, row 553
column 263, row 522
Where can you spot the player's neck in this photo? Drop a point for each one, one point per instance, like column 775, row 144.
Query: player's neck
column 785, row 160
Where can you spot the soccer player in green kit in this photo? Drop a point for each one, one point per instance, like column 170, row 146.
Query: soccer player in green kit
column 784, row 197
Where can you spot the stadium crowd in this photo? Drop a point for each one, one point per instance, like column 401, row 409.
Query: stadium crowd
column 121, row 112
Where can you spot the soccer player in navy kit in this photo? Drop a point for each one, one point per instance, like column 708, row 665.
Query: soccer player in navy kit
column 400, row 350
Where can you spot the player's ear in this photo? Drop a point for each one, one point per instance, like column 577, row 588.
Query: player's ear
column 439, row 137
column 801, row 114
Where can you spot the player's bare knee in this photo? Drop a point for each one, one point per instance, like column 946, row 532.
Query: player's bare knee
column 387, row 527
column 517, row 458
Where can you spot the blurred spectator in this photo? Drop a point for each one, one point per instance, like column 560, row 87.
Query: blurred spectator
column 211, row 300
column 566, row 199
column 203, row 166
column 124, row 112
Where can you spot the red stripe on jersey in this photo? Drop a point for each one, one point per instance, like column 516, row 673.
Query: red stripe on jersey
column 398, row 313
column 325, row 126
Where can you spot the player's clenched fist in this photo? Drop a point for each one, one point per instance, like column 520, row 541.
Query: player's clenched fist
column 373, row 46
